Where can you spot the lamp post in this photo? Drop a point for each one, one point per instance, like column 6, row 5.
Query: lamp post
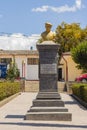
column 23, row 69
column 23, row 75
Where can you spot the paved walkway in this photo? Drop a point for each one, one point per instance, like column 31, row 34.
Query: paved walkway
column 12, row 115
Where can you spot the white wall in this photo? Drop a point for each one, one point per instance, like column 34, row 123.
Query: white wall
column 19, row 61
column 32, row 72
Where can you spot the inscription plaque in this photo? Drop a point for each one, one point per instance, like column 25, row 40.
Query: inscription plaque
column 48, row 69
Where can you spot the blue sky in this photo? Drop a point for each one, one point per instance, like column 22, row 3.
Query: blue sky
column 28, row 16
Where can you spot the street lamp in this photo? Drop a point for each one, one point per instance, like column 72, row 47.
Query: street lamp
column 23, row 69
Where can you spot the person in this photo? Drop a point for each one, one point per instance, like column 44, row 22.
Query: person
column 48, row 35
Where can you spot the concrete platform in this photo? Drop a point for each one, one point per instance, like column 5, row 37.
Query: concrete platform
column 12, row 115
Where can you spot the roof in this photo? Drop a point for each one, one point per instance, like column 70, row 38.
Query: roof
column 19, row 52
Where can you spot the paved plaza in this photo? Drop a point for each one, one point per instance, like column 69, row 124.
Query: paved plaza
column 12, row 115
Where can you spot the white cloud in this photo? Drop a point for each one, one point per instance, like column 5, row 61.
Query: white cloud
column 61, row 9
column 41, row 9
column 18, row 42
column 78, row 4
column 64, row 8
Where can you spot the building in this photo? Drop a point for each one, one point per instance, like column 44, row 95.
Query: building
column 67, row 68
column 27, row 62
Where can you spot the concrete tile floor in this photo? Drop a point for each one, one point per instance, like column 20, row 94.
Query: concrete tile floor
column 12, row 115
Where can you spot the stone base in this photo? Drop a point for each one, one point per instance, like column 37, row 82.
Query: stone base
column 48, row 106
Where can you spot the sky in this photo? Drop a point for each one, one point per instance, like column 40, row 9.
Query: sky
column 27, row 17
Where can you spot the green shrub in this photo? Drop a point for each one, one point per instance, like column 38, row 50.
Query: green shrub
column 85, row 93
column 13, row 71
column 8, row 88
column 79, row 55
column 80, row 90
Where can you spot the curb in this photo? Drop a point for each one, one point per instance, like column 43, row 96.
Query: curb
column 80, row 101
column 4, row 101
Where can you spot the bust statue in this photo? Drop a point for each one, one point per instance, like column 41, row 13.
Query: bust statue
column 48, row 35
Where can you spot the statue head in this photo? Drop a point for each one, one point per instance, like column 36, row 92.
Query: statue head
column 48, row 26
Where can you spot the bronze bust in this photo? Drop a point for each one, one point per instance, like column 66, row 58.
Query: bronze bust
column 48, row 35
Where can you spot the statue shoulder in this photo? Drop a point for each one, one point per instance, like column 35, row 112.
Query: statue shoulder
column 43, row 33
column 54, row 33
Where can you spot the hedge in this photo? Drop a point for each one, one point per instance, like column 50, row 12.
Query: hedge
column 8, row 88
column 80, row 90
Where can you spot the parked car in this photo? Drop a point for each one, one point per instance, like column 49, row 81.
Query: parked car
column 82, row 78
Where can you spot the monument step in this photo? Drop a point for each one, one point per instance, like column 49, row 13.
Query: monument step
column 49, row 116
column 48, row 109
column 48, row 96
column 45, row 92
column 48, row 103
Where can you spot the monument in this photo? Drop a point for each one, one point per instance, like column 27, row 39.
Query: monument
column 48, row 104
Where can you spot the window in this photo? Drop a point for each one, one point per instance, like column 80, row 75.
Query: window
column 32, row 61
column 5, row 60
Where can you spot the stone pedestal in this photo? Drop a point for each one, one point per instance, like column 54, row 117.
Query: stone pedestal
column 48, row 104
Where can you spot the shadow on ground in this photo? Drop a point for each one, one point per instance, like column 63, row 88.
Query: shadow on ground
column 73, row 102
column 15, row 116
column 44, row 125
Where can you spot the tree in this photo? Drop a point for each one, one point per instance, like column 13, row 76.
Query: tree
column 79, row 55
column 13, row 72
column 69, row 35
